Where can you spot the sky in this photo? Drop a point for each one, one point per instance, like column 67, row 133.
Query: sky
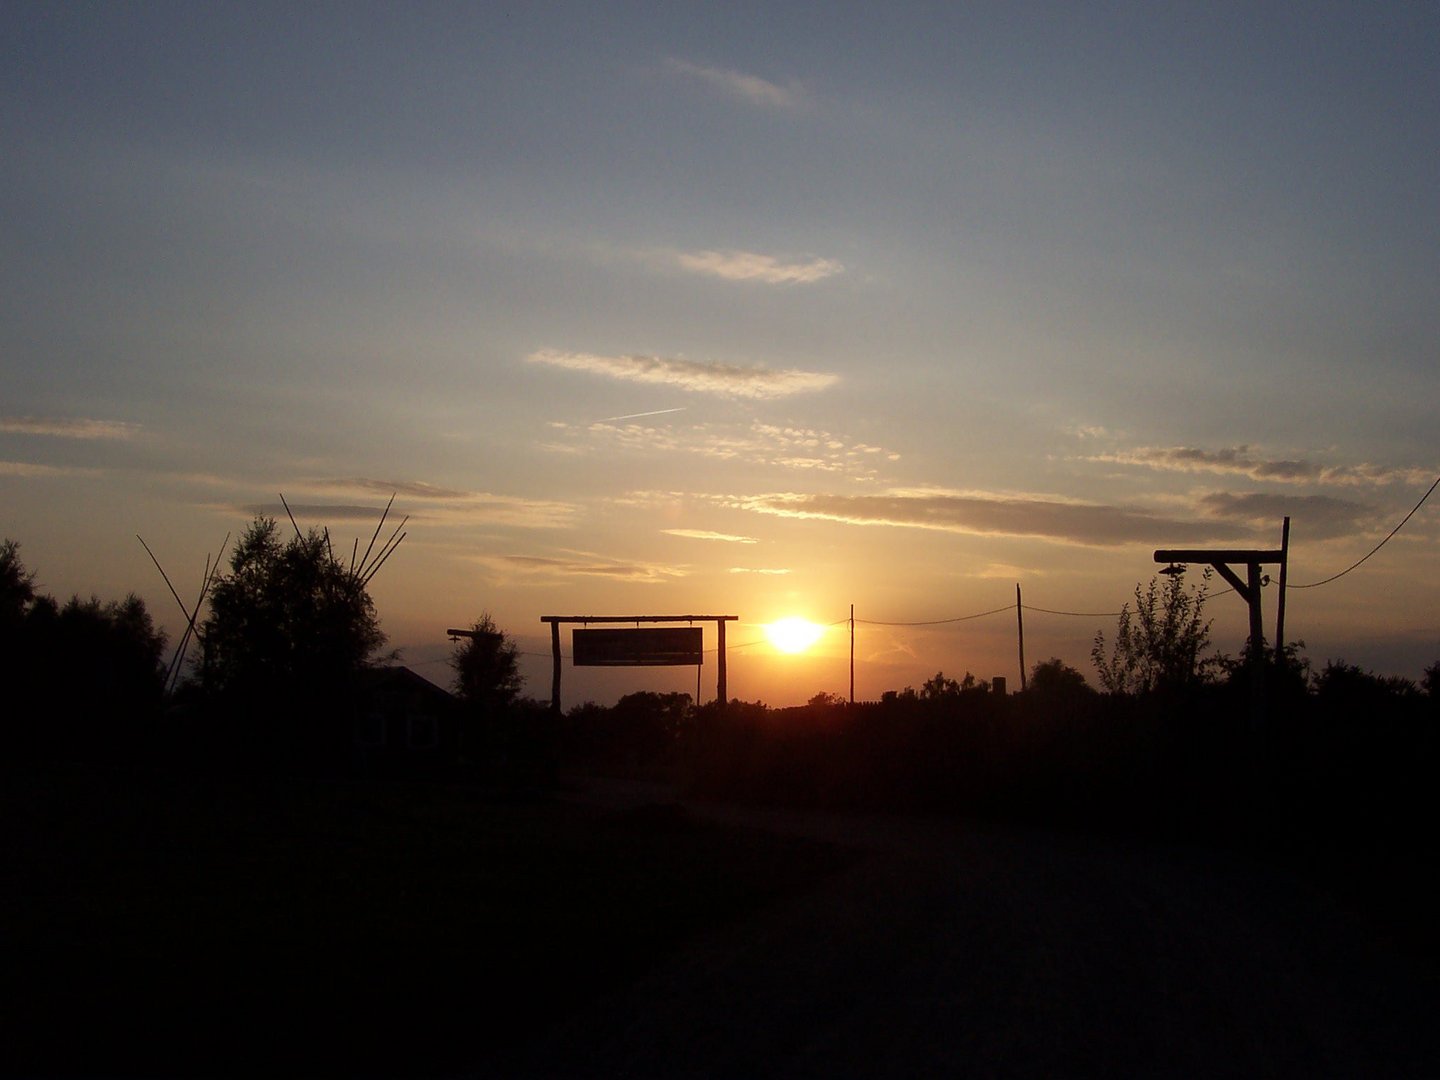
column 758, row 310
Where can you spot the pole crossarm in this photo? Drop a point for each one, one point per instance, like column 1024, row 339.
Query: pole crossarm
column 1220, row 558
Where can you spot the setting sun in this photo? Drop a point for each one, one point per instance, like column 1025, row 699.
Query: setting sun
column 793, row 635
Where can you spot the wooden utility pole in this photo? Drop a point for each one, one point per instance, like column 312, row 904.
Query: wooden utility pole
column 1280, row 601
column 555, row 669
column 1020, row 621
column 852, row 654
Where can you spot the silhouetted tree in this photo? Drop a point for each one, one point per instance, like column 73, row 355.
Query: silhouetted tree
column 941, row 688
column 120, row 651
column 1056, row 679
column 1159, row 645
column 486, row 666
column 17, row 597
column 17, row 585
column 79, row 678
column 1431, row 682
column 646, row 724
column 288, row 621
column 938, row 687
column 1349, row 686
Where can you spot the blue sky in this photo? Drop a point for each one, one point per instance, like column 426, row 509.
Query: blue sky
column 765, row 310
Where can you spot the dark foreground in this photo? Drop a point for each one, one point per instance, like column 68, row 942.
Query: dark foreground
column 153, row 925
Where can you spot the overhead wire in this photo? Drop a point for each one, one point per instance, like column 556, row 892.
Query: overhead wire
column 1377, row 547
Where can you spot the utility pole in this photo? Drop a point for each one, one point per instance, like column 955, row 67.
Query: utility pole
column 1020, row 620
column 1280, row 601
column 852, row 654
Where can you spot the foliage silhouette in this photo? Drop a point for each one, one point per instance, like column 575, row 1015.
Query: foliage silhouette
column 486, row 666
column 287, row 619
column 1057, row 680
column 113, row 647
column 1159, row 645
column 17, row 585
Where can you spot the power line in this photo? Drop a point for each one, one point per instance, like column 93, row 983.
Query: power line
column 1377, row 547
column 936, row 622
column 1077, row 614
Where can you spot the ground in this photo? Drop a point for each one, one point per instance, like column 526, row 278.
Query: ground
column 154, row 924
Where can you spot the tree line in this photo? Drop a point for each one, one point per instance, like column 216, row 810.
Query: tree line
column 291, row 633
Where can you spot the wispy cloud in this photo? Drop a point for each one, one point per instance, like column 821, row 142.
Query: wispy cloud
column 705, row 534
column 1318, row 516
column 752, row 266
column 737, row 84
column 1243, row 461
column 31, row 470
column 725, row 379
column 773, row 445
column 777, row 572
column 438, row 505
column 417, row 489
column 984, row 513
column 69, row 428
column 578, row 564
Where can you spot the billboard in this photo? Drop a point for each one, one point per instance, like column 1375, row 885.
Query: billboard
column 666, row 646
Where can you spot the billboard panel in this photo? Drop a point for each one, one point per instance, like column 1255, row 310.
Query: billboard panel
column 668, row 646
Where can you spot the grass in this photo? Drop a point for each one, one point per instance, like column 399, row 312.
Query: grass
column 160, row 924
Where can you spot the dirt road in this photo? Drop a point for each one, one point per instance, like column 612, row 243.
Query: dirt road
column 953, row 949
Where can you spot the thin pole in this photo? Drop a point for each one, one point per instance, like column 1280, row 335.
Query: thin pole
column 290, row 515
column 374, row 536
column 1020, row 621
column 1257, row 646
column 1280, row 601
column 555, row 676
column 720, row 679
column 852, row 654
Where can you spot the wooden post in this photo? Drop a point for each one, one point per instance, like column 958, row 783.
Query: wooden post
column 1280, row 601
column 1257, row 647
column 720, row 680
column 1020, row 621
column 852, row 654
column 555, row 676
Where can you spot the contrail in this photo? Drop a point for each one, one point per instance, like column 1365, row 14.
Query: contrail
column 637, row 415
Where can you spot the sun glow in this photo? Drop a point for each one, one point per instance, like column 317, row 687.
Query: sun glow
column 793, row 635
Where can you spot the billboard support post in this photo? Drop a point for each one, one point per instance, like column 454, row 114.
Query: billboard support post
column 635, row 648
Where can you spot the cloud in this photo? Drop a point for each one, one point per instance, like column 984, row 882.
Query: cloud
column 748, row 88
column 757, row 570
column 771, row 445
column 579, row 564
column 30, row 470
column 415, row 488
column 751, row 266
column 705, row 534
column 725, row 379
column 1319, row 517
column 983, row 513
column 422, row 502
column 74, row 428
column 1241, row 461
